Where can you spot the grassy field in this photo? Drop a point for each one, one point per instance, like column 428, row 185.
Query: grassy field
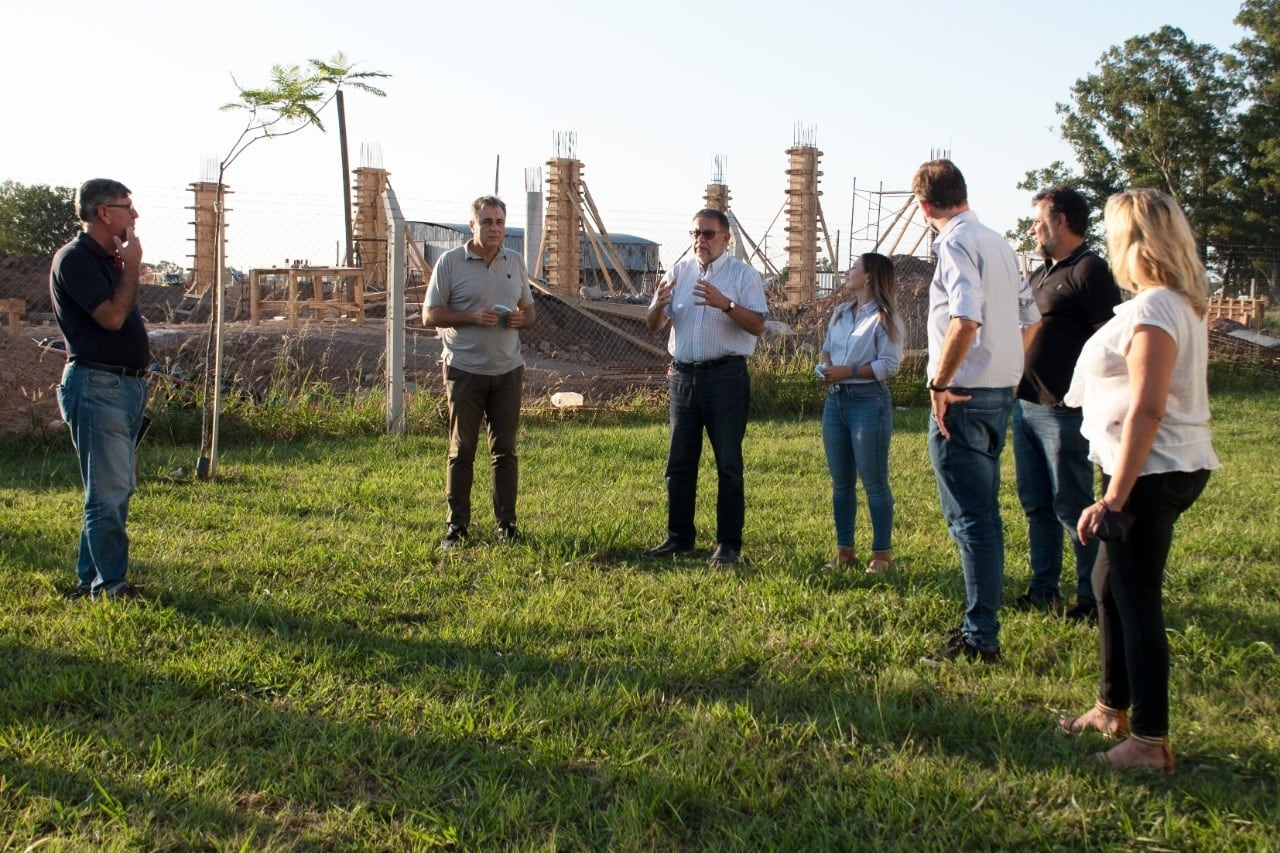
column 310, row 672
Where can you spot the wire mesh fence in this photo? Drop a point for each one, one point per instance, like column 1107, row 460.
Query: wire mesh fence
column 293, row 319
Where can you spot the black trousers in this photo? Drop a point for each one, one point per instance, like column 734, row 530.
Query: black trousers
column 1128, row 580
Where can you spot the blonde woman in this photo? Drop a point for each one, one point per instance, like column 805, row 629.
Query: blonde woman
column 1141, row 381
column 862, row 349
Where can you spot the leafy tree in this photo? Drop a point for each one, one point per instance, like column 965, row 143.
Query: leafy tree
column 1154, row 115
column 1257, row 62
column 291, row 102
column 36, row 219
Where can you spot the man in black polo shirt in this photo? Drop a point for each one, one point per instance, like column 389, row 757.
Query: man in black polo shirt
column 94, row 288
column 1076, row 294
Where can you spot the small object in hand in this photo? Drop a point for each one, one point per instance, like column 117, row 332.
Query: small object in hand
column 1114, row 525
column 503, row 314
column 820, row 370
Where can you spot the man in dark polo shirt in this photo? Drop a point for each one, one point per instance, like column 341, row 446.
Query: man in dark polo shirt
column 479, row 298
column 94, row 287
column 1076, row 294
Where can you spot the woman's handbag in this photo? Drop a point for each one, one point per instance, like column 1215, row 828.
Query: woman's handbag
column 1114, row 525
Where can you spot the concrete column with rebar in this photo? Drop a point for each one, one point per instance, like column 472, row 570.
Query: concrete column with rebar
column 204, row 256
column 563, row 224
column 801, row 285
column 369, row 229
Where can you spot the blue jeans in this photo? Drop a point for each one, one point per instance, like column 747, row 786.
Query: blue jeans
column 1055, row 484
column 717, row 399
column 967, row 468
column 857, row 423
column 104, row 412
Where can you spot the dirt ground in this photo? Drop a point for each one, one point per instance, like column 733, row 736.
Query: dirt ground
column 563, row 351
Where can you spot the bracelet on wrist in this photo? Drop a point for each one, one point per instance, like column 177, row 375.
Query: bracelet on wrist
column 938, row 388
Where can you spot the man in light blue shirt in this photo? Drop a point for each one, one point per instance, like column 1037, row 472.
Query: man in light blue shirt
column 976, row 327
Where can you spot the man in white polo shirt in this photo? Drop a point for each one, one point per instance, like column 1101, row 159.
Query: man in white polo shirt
column 479, row 299
column 976, row 324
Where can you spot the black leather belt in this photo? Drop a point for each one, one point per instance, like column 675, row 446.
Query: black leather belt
column 118, row 370
column 686, row 366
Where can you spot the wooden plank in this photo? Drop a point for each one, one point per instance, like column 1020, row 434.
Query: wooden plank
column 608, row 241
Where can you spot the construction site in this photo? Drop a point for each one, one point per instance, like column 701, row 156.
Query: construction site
column 592, row 287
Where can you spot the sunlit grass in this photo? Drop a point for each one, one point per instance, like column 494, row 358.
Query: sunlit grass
column 309, row 671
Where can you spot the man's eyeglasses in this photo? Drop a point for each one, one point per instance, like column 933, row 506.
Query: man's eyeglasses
column 696, row 233
column 128, row 207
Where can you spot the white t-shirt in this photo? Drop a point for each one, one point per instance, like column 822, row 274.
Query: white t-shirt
column 1101, row 385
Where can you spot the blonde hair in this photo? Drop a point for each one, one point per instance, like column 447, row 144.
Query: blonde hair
column 1150, row 244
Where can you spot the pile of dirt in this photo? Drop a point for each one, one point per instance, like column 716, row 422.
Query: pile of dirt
column 911, row 277
column 563, row 351
column 29, row 377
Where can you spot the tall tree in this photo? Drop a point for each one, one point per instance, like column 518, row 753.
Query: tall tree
column 36, row 219
column 337, row 72
column 1257, row 62
column 1158, row 112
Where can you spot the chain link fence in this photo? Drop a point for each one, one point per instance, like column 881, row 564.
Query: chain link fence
column 596, row 344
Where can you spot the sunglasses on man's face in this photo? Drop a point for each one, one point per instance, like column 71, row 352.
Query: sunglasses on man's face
column 696, row 233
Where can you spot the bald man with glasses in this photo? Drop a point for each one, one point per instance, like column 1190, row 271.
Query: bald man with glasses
column 716, row 308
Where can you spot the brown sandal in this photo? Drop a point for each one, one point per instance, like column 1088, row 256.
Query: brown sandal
column 878, row 566
column 1139, row 753
column 1111, row 723
column 837, row 563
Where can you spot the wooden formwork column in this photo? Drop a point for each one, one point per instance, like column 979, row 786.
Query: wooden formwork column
column 204, row 257
column 801, row 285
column 717, row 197
column 563, row 224
column 369, row 228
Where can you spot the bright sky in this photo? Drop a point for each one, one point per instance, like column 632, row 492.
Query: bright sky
column 654, row 92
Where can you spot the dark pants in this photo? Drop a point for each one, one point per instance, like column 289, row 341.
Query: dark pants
column 474, row 397
column 1127, row 579
column 715, row 398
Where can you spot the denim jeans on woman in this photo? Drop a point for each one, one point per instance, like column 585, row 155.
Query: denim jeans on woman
column 1128, row 579
column 967, row 468
column 857, row 423
column 104, row 411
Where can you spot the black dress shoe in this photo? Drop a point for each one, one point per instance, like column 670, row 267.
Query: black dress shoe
column 1084, row 611
column 723, row 555
column 1051, row 603
column 668, row 548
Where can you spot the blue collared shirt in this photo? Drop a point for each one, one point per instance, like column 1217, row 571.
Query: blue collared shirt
column 855, row 336
column 977, row 279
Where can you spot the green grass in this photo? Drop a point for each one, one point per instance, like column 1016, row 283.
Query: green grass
column 310, row 672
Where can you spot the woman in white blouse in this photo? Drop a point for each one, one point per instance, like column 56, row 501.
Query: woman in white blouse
column 1141, row 380
column 862, row 349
